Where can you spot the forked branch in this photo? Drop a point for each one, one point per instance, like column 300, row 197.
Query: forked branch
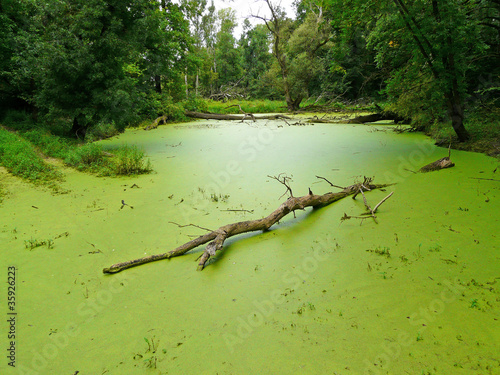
column 217, row 237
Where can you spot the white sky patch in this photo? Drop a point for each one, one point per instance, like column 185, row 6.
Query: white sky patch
column 245, row 8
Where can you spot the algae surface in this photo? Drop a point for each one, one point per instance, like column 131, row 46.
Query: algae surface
column 416, row 293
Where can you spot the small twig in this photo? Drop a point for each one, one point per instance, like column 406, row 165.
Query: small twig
column 364, row 200
column 322, row 178
column 370, row 213
column 485, row 179
column 172, row 145
column 249, row 211
column 362, row 218
column 191, row 225
column 283, row 182
column 125, row 204
column 380, row 203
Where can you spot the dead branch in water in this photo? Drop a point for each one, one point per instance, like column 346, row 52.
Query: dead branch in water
column 217, row 237
column 370, row 212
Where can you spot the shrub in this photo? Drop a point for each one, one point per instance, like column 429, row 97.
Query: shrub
column 86, row 157
column 18, row 120
column 130, row 160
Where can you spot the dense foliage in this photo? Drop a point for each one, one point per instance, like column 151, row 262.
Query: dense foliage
column 87, row 64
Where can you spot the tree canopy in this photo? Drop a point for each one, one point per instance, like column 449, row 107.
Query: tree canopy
column 93, row 61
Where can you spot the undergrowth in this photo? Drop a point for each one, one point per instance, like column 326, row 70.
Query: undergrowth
column 483, row 127
column 254, row 106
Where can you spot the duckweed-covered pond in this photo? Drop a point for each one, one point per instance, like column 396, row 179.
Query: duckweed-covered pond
column 416, row 293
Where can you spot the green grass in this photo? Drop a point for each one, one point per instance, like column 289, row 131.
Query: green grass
column 87, row 157
column 123, row 161
column 23, row 156
column 90, row 157
column 21, row 159
column 49, row 144
column 254, row 106
column 130, row 160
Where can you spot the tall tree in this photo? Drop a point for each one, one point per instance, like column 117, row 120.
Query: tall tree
column 256, row 58
column 90, row 60
column 227, row 56
column 194, row 10
column 295, row 48
column 429, row 45
column 279, row 27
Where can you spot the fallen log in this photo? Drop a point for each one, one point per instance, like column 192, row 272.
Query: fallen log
column 439, row 164
column 157, row 122
column 217, row 237
column 218, row 116
column 388, row 116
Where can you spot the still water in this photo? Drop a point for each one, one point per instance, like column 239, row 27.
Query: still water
column 416, row 293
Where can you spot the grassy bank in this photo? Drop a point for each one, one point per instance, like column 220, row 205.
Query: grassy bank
column 25, row 155
column 254, row 106
column 21, row 159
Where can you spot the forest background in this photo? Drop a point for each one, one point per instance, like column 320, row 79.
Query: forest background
column 87, row 69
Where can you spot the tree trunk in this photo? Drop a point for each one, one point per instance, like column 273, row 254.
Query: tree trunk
column 456, row 113
column 158, row 84
column 78, row 130
column 292, row 104
column 197, row 82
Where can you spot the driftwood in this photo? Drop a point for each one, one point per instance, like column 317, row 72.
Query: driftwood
column 217, row 237
column 439, row 164
column 155, row 123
